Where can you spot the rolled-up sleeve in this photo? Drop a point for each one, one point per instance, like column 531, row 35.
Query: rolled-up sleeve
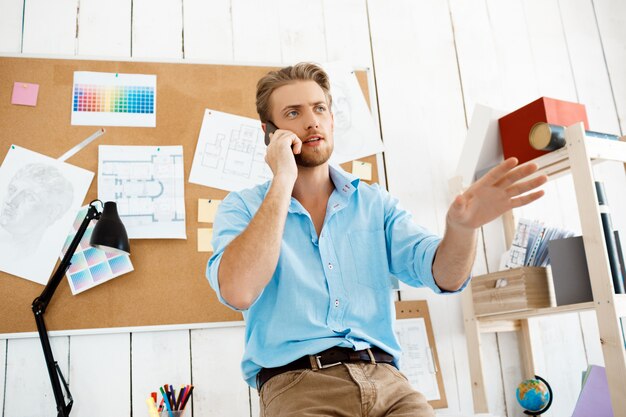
column 231, row 219
column 411, row 249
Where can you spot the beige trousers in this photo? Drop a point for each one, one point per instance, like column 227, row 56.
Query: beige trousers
column 348, row 390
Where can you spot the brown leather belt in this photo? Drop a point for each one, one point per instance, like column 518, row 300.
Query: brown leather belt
column 326, row 359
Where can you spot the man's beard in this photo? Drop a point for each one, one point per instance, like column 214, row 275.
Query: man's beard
column 314, row 157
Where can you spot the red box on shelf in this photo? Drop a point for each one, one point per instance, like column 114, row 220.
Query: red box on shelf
column 515, row 126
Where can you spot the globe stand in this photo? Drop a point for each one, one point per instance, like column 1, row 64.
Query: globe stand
column 544, row 409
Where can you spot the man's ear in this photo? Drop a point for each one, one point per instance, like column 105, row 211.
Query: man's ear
column 264, row 127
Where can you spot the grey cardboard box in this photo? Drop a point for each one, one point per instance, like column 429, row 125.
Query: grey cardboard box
column 570, row 275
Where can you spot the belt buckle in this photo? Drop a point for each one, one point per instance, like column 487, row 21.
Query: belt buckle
column 320, row 366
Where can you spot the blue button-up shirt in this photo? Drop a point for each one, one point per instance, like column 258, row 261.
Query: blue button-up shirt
column 331, row 290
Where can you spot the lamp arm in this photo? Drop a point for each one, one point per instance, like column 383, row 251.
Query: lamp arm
column 41, row 303
column 53, row 368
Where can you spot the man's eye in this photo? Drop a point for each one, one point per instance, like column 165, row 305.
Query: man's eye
column 292, row 114
column 321, row 108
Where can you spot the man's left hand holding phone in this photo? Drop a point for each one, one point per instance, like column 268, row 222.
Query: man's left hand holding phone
column 282, row 145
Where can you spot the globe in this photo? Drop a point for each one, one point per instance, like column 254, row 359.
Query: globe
column 534, row 395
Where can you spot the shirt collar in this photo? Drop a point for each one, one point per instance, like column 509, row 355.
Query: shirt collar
column 345, row 185
column 345, row 182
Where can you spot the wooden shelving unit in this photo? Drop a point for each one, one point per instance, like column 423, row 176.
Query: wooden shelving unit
column 576, row 157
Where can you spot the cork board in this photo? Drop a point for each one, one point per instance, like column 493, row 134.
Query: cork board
column 419, row 309
column 168, row 285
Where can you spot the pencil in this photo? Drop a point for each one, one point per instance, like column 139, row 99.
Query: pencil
column 187, row 395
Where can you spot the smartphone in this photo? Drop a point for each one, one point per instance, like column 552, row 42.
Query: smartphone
column 269, row 128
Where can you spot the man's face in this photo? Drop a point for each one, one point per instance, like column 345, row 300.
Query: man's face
column 301, row 107
column 24, row 208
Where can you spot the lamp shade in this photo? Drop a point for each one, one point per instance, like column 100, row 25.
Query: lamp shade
column 109, row 234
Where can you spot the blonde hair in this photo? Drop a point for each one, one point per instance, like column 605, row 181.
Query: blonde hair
column 303, row 71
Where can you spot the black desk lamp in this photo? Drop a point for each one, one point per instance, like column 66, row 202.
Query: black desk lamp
column 109, row 234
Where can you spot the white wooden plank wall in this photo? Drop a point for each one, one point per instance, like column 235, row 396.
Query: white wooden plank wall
column 158, row 358
column 413, row 42
column 11, row 25
column 216, row 356
column 481, row 81
column 157, row 29
column 99, row 362
column 27, row 390
column 301, row 30
column 104, row 28
column 611, row 16
column 208, row 30
column 563, row 370
column 3, row 366
column 511, row 368
column 433, row 62
column 256, row 31
column 50, row 27
column 347, row 32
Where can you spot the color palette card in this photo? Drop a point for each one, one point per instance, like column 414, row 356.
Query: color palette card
column 90, row 266
column 110, row 99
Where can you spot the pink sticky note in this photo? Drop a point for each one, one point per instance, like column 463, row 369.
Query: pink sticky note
column 25, row 94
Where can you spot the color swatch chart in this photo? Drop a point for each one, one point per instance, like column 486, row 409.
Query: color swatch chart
column 115, row 99
column 111, row 99
column 90, row 266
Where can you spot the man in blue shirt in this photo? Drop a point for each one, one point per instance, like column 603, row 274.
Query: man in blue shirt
column 307, row 257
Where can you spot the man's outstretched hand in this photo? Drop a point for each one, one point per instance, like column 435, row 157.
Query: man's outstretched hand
column 497, row 192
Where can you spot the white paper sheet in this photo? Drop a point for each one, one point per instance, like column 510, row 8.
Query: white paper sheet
column 39, row 198
column 110, row 99
column 356, row 133
column 147, row 183
column 417, row 360
column 230, row 153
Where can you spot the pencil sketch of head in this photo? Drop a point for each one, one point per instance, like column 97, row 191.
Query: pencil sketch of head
column 342, row 109
column 36, row 197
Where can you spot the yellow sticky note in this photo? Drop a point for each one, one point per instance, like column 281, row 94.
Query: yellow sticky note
column 362, row 170
column 207, row 209
column 204, row 240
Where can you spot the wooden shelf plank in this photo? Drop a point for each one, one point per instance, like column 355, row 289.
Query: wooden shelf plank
column 517, row 315
column 557, row 163
column 611, row 150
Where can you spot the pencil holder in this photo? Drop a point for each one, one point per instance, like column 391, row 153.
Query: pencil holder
column 165, row 413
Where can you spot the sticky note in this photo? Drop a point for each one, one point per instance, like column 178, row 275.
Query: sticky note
column 204, row 240
column 362, row 170
column 25, row 94
column 207, row 209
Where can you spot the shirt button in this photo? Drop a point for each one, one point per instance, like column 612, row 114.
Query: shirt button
column 330, row 266
column 336, row 303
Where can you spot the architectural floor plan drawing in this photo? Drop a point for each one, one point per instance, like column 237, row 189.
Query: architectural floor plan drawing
column 230, row 153
column 147, row 182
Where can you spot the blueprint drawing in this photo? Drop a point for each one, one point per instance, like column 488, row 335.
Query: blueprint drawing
column 230, row 154
column 147, row 183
